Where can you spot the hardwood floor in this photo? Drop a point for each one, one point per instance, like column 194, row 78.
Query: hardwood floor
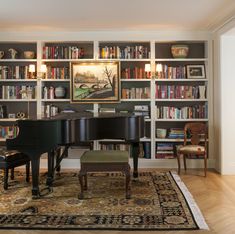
column 215, row 195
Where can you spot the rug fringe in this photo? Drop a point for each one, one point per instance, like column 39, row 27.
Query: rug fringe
column 192, row 204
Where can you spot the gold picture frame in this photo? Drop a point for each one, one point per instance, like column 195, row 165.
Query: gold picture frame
column 95, row 82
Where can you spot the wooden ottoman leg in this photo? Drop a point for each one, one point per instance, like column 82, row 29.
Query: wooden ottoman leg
column 27, row 166
column 85, row 180
column 128, row 179
column 12, row 174
column 5, row 186
column 81, row 175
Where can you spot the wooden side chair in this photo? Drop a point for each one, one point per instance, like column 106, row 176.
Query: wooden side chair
column 9, row 159
column 194, row 133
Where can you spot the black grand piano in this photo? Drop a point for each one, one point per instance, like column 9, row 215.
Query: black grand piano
column 44, row 136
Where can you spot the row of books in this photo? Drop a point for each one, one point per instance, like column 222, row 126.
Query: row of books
column 169, row 72
column 176, row 133
column 144, row 148
column 127, row 52
column 57, row 72
column 142, row 110
column 136, row 93
column 134, row 73
column 49, row 111
column 8, row 131
column 180, row 92
column 125, row 147
column 63, row 52
column 15, row 72
column 164, row 150
column 17, row 92
column 187, row 112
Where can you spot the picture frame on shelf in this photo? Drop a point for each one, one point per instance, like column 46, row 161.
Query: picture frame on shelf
column 196, row 72
column 95, row 82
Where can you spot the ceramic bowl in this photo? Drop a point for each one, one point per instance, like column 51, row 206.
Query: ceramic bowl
column 161, row 132
column 29, row 54
column 179, row 51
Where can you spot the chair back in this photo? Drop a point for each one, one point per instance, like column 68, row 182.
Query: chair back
column 196, row 132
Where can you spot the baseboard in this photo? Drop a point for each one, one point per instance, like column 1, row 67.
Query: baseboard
column 72, row 163
column 228, row 169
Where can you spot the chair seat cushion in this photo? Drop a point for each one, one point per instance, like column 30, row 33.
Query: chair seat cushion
column 190, row 149
column 105, row 156
column 12, row 155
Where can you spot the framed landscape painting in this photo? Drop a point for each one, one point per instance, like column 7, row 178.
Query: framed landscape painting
column 95, row 82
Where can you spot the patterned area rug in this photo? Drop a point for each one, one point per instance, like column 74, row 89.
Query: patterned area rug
column 159, row 201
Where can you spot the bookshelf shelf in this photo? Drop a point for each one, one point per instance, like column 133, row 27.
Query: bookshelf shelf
column 68, row 60
column 18, row 80
column 55, row 80
column 180, row 80
column 181, row 100
column 181, row 120
column 134, row 80
column 18, row 60
column 18, row 100
column 136, row 100
column 145, row 139
column 8, row 120
column 56, row 100
column 135, row 60
column 181, row 59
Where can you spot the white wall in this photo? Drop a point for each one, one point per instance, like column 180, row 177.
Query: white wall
column 224, row 96
column 227, row 104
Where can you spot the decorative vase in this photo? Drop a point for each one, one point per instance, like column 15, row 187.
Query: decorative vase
column 59, row 92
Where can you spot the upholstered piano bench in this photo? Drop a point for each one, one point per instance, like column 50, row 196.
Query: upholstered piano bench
column 9, row 159
column 104, row 160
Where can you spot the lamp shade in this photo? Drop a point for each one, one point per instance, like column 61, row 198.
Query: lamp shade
column 159, row 67
column 31, row 68
column 43, row 68
column 147, row 67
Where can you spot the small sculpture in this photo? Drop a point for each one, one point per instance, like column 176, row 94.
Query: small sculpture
column 13, row 53
column 1, row 54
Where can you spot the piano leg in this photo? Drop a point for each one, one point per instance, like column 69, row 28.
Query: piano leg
column 51, row 163
column 35, row 162
column 50, row 173
column 135, row 155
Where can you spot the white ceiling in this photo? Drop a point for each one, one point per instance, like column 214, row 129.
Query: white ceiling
column 93, row 15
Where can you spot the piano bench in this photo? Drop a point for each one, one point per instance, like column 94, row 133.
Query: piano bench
column 9, row 159
column 104, row 160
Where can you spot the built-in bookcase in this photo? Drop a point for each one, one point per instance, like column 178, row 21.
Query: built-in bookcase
column 180, row 97
column 168, row 98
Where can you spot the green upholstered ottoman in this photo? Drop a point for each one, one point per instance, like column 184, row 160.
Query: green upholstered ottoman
column 104, row 160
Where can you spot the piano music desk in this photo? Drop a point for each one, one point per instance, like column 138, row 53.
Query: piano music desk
column 104, row 160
